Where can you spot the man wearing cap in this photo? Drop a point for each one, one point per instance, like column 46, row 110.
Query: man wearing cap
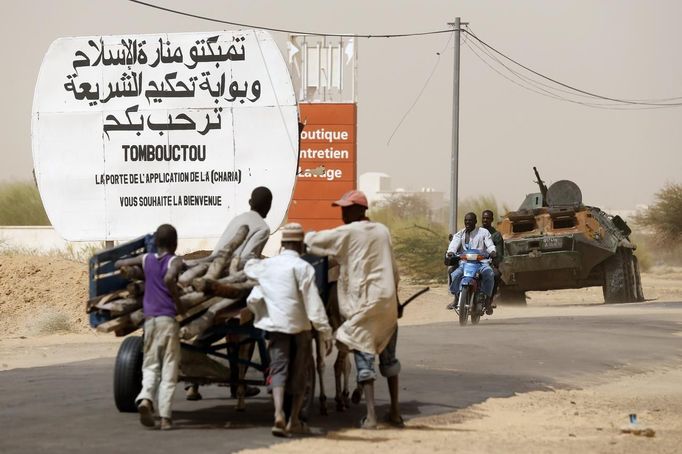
column 367, row 293
column 286, row 304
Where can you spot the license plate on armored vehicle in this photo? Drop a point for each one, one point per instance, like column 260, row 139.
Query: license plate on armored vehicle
column 552, row 242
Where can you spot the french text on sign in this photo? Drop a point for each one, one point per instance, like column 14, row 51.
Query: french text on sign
column 322, row 134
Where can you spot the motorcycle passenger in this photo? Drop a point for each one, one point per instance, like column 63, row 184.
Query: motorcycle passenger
column 487, row 223
column 471, row 237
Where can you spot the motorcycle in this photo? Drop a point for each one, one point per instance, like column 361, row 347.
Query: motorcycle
column 471, row 297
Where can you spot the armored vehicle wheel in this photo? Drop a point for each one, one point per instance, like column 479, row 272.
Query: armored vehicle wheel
column 638, row 280
column 620, row 284
column 128, row 374
column 462, row 305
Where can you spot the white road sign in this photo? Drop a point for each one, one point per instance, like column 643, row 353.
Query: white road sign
column 130, row 132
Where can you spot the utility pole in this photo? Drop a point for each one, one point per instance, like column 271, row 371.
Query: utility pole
column 454, row 158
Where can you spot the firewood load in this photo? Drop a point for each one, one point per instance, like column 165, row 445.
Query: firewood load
column 211, row 291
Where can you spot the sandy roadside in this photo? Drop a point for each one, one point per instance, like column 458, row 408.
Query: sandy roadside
column 38, row 351
column 58, row 288
column 559, row 421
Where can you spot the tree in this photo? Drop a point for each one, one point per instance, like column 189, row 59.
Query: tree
column 664, row 217
column 402, row 206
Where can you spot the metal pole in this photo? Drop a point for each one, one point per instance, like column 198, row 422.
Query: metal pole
column 454, row 159
column 455, row 133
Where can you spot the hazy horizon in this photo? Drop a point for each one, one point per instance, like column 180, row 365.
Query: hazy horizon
column 621, row 49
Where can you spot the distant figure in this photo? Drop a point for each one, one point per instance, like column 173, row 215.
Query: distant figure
column 160, row 305
column 487, row 218
column 471, row 237
column 367, row 293
column 286, row 304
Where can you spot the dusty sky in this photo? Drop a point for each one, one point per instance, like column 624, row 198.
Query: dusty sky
column 624, row 49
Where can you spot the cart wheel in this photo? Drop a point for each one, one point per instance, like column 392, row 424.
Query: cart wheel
column 128, row 374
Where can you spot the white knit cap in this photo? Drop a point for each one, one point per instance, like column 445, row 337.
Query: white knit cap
column 292, row 232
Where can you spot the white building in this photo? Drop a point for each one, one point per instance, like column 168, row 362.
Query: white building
column 377, row 187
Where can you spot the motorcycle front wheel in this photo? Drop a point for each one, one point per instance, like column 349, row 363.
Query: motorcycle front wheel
column 475, row 311
column 463, row 306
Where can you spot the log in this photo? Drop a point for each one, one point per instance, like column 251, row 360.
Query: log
column 243, row 260
column 218, row 264
column 230, row 290
column 132, row 320
column 203, row 284
column 136, row 321
column 90, row 305
column 191, row 299
column 234, row 265
column 199, row 308
column 132, row 272
column 196, row 271
column 121, row 306
column 196, row 327
column 231, row 312
column 239, row 276
column 135, row 289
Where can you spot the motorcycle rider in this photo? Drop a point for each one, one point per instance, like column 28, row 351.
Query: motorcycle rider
column 487, row 223
column 471, row 237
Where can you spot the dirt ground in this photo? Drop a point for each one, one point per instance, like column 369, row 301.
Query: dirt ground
column 42, row 301
column 559, row 421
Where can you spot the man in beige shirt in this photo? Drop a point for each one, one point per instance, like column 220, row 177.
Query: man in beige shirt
column 367, row 295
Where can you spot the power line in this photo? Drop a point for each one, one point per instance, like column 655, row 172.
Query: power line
column 426, row 83
column 574, row 91
column 555, row 96
column 295, row 32
column 518, row 74
column 595, row 95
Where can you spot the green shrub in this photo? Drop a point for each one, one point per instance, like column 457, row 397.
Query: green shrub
column 664, row 216
column 20, row 204
column 419, row 250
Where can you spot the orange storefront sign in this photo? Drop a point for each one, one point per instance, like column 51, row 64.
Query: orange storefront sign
column 327, row 165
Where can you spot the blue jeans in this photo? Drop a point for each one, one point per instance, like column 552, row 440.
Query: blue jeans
column 487, row 279
column 389, row 365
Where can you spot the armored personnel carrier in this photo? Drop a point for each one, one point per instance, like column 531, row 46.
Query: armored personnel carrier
column 553, row 241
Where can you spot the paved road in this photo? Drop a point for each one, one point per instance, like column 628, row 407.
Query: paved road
column 69, row 408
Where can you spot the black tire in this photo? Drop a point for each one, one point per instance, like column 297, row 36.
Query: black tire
column 128, row 374
column 631, row 275
column 639, row 293
column 462, row 305
column 619, row 277
column 475, row 311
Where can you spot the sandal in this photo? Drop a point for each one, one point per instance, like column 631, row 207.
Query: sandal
column 278, row 430
column 303, row 429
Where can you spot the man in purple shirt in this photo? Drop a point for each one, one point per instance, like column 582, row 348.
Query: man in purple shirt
column 161, row 340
